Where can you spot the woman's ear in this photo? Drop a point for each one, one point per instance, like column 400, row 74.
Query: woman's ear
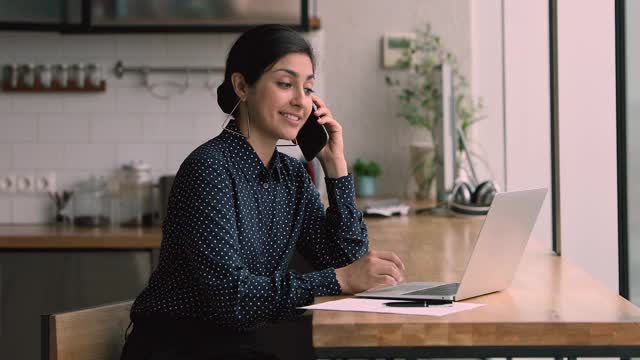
column 240, row 86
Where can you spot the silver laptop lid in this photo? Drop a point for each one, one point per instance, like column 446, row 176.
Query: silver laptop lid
column 501, row 242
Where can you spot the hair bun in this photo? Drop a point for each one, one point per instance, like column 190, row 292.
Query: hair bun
column 227, row 98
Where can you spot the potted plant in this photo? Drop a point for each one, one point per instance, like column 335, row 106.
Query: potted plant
column 420, row 100
column 366, row 173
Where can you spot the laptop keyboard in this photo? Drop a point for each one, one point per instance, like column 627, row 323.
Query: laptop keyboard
column 446, row 289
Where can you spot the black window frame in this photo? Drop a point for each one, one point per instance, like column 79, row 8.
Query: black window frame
column 621, row 143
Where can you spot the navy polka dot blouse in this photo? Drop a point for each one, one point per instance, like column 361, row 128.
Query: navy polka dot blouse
column 231, row 228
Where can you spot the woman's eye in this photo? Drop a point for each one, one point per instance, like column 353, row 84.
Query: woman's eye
column 286, row 85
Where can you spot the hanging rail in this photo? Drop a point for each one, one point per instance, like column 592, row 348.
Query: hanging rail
column 120, row 69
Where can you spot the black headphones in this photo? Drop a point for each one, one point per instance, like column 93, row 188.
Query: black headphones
column 464, row 197
column 469, row 200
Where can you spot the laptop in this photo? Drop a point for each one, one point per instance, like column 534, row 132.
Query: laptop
column 495, row 256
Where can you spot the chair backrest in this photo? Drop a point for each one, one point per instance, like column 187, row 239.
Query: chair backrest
column 95, row 333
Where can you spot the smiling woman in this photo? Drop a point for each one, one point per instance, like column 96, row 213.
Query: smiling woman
column 279, row 101
column 239, row 208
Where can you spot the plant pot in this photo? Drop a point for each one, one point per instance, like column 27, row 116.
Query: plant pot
column 366, row 186
column 424, row 168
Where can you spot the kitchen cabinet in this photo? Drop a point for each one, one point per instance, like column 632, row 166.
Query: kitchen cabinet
column 31, row 11
column 38, row 282
column 39, row 15
column 122, row 16
column 46, row 269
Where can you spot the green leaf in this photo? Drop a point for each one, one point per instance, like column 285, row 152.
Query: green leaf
column 408, row 92
column 367, row 168
column 403, row 63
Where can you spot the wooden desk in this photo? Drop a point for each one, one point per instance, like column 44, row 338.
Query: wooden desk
column 553, row 308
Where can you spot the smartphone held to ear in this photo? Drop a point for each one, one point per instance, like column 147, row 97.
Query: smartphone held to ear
column 312, row 137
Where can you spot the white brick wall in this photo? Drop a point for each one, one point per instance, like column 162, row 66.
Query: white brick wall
column 5, row 156
column 18, row 128
column 76, row 135
column 81, row 134
column 5, row 208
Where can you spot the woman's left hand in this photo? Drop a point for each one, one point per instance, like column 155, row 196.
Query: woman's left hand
column 331, row 156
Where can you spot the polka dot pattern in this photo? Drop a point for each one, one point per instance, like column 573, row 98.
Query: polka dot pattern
column 231, row 228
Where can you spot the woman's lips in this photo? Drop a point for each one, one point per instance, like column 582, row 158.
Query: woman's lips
column 294, row 120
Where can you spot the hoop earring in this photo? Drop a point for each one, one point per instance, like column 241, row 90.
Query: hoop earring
column 226, row 120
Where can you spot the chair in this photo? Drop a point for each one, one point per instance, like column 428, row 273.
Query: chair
column 95, row 333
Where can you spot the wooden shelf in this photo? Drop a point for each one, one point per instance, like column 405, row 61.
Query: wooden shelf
column 56, row 88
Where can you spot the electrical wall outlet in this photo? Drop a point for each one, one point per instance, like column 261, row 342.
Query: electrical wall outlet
column 28, row 182
column 25, row 183
column 45, row 182
column 8, row 183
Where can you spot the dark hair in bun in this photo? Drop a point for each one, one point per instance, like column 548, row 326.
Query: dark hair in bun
column 254, row 52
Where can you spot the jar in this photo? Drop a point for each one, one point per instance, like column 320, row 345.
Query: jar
column 79, row 74
column 28, row 75
column 136, row 194
column 62, row 75
column 44, row 75
column 11, row 75
column 95, row 75
column 91, row 205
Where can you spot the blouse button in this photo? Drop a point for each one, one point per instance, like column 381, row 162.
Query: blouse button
column 265, row 185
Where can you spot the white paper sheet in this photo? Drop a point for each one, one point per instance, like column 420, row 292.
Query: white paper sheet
column 377, row 306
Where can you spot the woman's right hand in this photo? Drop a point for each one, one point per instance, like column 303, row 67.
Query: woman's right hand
column 376, row 269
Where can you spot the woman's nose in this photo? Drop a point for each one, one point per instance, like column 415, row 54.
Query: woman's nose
column 297, row 98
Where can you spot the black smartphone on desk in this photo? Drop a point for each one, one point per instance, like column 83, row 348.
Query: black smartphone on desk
column 312, row 137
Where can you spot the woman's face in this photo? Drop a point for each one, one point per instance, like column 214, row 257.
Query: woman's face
column 280, row 101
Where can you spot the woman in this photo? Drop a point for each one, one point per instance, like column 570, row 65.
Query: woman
column 239, row 208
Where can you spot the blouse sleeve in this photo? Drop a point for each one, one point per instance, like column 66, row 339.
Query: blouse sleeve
column 337, row 236
column 235, row 297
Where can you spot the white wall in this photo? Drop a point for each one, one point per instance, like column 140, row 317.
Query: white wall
column 510, row 71
column 527, row 103
column 355, row 86
column 487, row 82
column 587, row 130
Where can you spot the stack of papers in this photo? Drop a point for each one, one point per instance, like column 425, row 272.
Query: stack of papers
column 386, row 208
column 378, row 306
